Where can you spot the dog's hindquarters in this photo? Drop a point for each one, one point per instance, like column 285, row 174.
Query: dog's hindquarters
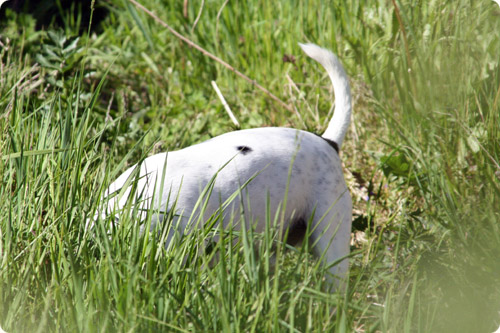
column 274, row 170
column 333, row 214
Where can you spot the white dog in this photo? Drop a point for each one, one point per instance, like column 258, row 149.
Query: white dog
column 264, row 166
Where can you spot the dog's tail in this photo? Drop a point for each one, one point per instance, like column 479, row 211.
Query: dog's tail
column 339, row 123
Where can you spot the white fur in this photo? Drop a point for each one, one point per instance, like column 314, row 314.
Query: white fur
column 337, row 128
column 316, row 185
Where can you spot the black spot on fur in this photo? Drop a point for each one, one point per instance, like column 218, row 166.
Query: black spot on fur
column 332, row 144
column 244, row 149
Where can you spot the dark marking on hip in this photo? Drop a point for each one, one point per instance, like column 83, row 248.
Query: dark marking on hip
column 332, row 144
column 244, row 149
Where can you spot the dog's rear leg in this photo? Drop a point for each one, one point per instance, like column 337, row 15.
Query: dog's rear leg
column 330, row 235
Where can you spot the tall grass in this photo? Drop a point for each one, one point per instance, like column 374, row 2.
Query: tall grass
column 422, row 163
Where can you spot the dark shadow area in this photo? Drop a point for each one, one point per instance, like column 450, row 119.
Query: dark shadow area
column 58, row 12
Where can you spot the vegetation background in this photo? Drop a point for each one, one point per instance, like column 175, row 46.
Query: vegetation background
column 84, row 96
